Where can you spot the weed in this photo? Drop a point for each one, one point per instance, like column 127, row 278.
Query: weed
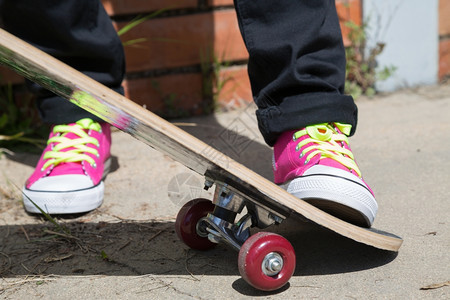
column 49, row 218
column 138, row 20
column 135, row 22
column 362, row 66
column 171, row 107
column 103, row 255
column 19, row 123
column 213, row 80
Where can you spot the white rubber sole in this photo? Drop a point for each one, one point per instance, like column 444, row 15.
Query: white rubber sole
column 65, row 194
column 337, row 192
column 64, row 202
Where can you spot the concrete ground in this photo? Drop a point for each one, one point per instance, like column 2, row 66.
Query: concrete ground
column 128, row 249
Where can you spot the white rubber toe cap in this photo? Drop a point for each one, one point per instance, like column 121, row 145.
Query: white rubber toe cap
column 62, row 183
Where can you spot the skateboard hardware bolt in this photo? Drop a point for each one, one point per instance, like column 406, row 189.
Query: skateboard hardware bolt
column 201, row 228
column 208, row 184
column 276, row 218
column 272, row 264
column 224, row 192
column 214, row 238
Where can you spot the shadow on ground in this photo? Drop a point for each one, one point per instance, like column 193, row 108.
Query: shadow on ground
column 237, row 136
column 128, row 248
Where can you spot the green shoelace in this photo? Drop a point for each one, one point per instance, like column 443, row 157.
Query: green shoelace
column 328, row 142
column 56, row 156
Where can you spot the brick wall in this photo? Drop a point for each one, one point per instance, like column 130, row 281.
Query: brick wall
column 170, row 73
column 165, row 72
column 444, row 39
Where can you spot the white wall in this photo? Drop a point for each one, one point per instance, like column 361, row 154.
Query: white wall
column 410, row 30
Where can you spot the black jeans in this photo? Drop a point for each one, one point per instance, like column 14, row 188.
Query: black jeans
column 79, row 33
column 296, row 56
column 296, row 64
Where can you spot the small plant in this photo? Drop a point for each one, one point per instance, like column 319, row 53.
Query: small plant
column 171, row 108
column 362, row 66
column 212, row 79
column 19, row 124
column 59, row 228
column 135, row 22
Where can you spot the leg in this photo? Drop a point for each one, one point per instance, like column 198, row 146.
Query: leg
column 78, row 33
column 297, row 72
column 300, row 43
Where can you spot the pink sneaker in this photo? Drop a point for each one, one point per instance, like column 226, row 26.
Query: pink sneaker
column 316, row 164
column 68, row 177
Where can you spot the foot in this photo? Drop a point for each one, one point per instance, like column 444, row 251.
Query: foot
column 316, row 164
column 68, row 177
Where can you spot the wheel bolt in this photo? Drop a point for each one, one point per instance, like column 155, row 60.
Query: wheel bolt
column 275, row 265
column 272, row 264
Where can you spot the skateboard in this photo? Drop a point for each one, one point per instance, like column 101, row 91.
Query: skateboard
column 266, row 260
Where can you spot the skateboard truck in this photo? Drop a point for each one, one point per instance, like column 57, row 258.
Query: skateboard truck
column 220, row 224
column 266, row 260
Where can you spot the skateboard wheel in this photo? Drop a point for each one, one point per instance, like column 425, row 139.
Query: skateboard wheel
column 186, row 224
column 266, row 261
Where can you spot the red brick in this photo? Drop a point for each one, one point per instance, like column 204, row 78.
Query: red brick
column 183, row 92
column 120, row 7
column 444, row 17
column 167, row 94
column 182, row 41
column 444, row 58
column 220, row 2
column 348, row 10
column 236, row 92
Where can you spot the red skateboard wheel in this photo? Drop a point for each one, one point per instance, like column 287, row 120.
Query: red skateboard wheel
column 186, row 223
column 266, row 261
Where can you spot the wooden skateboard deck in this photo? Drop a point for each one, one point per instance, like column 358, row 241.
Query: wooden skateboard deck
column 267, row 203
column 270, row 202
column 171, row 140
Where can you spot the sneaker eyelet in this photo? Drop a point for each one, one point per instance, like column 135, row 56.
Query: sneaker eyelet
column 306, row 161
column 294, row 138
column 94, row 165
column 301, row 155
